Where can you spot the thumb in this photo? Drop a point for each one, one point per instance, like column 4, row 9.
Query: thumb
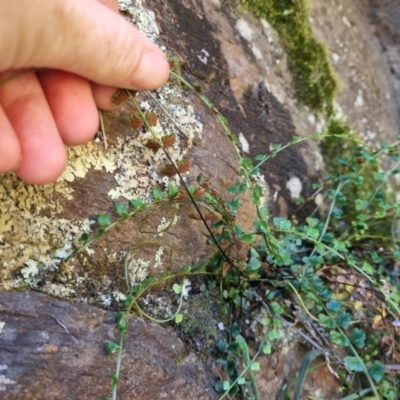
column 79, row 36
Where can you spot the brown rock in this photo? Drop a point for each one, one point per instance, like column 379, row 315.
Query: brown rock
column 50, row 349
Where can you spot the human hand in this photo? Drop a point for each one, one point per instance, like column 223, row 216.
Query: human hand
column 88, row 51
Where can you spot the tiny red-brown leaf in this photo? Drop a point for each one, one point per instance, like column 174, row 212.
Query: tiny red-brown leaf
column 168, row 140
column 184, row 166
column 151, row 118
column 212, row 217
column 136, row 122
column 168, row 170
column 119, row 97
column 152, row 145
column 199, row 192
column 198, row 87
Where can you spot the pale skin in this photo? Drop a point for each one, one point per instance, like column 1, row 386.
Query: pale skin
column 78, row 53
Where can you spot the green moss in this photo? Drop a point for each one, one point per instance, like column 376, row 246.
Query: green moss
column 314, row 80
column 199, row 325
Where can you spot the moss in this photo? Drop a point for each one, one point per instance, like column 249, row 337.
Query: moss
column 199, row 325
column 314, row 80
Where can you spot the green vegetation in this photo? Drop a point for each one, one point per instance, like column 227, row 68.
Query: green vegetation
column 328, row 271
column 313, row 77
column 335, row 272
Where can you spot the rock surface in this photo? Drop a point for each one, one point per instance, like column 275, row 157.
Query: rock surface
column 53, row 350
column 384, row 16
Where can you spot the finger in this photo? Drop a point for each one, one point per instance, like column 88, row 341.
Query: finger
column 111, row 4
column 72, row 105
column 83, row 37
column 10, row 152
column 43, row 156
column 103, row 96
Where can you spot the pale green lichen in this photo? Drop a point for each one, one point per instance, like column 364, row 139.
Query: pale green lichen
column 33, row 239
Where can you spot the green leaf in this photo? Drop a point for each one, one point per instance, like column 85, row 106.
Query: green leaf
column 231, row 367
column 121, row 209
column 273, row 334
column 242, row 187
column 219, row 387
column 119, row 317
column 343, row 319
column 312, row 233
column 235, row 329
column 282, row 223
column 325, row 321
column 276, row 146
column 375, row 257
column 222, row 345
column 178, row 318
column 138, row 203
column 353, row 364
column 312, row 222
column 128, row 300
column 246, row 237
column 267, row 349
column 233, row 348
column 103, row 220
column 333, row 306
column 177, row 288
column 360, row 204
column 256, row 194
column 339, row 338
column 254, row 263
column 111, row 347
column 377, row 371
column 378, row 176
column 84, row 237
column 358, row 337
column 172, row 190
column 381, row 214
column 255, row 366
column 246, row 163
column 277, row 308
column 368, row 268
column 157, row 194
column 234, row 204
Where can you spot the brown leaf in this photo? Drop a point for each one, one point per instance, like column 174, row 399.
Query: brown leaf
column 212, row 217
column 151, row 118
column 168, row 170
column 168, row 140
column 152, row 145
column 199, row 192
column 119, row 97
column 184, row 166
column 136, row 122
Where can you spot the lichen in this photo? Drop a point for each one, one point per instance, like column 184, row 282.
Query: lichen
column 34, row 240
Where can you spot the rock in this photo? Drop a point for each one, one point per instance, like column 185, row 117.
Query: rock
column 384, row 16
column 50, row 349
column 366, row 92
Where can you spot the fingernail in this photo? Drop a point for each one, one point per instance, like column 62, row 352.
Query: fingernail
column 152, row 72
column 122, row 95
